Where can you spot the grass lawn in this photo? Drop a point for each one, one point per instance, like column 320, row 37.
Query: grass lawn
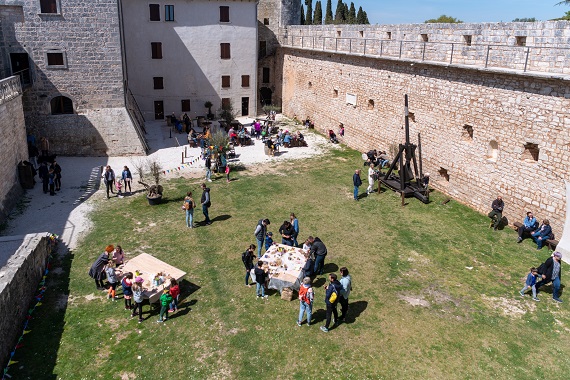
column 435, row 291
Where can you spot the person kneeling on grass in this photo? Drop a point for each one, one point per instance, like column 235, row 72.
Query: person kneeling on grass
column 165, row 300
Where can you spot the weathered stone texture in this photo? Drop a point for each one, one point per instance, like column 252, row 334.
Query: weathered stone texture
column 12, row 143
column 507, row 109
column 19, row 279
column 89, row 37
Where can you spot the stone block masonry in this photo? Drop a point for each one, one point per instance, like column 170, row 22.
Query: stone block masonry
column 19, row 279
column 13, row 146
column 483, row 133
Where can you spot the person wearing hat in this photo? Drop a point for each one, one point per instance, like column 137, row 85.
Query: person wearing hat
column 551, row 271
column 97, row 271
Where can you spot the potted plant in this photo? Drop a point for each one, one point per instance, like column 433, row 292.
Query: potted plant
column 209, row 106
column 153, row 171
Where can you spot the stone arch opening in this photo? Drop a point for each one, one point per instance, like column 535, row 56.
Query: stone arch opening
column 61, row 105
column 493, row 151
column 531, row 152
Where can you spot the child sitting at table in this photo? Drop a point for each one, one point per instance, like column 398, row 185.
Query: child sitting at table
column 175, row 293
column 268, row 240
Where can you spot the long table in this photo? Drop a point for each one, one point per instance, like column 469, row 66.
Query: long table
column 148, row 266
column 285, row 265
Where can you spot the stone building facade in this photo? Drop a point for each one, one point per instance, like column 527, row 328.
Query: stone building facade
column 70, row 60
column 484, row 132
column 12, row 143
column 177, row 59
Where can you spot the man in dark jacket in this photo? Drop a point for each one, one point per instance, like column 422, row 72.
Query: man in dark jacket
column 497, row 213
column 43, row 173
column 318, row 251
column 551, row 270
column 205, row 201
column 333, row 287
column 357, row 183
column 260, row 233
column 260, row 277
column 543, row 233
column 247, row 259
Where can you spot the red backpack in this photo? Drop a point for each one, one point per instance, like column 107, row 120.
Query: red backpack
column 303, row 294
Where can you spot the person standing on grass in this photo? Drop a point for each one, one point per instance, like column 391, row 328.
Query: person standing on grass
column 306, row 297
column 127, row 178
column 112, row 280
column 370, row 188
column 268, row 240
column 109, row 179
column 97, row 271
column 530, row 283
column 357, row 182
column 309, row 265
column 165, row 300
column 334, row 287
column 175, row 293
column 346, row 282
column 118, row 255
column 318, row 251
column 208, row 166
column 138, row 298
column 260, row 277
column 551, row 271
column 127, row 285
column 228, row 172
column 189, row 205
column 206, row 203
column 496, row 213
column 247, row 259
column 260, row 233
column 295, row 224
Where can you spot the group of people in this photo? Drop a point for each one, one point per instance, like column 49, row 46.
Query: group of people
column 120, row 183
column 50, row 177
column 188, row 205
column 315, row 252
column 107, row 267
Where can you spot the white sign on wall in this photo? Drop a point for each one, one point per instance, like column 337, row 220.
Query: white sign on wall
column 351, row 99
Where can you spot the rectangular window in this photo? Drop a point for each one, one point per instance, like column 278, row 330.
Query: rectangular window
column 154, row 12
column 55, row 59
column 521, row 40
column 169, row 13
column 265, row 21
column 158, row 83
column 425, row 38
column 185, row 105
column 467, row 38
column 224, row 14
column 156, row 50
column 226, row 103
column 245, row 80
column 225, row 51
column 225, row 81
column 262, row 49
column 48, row 6
column 265, row 78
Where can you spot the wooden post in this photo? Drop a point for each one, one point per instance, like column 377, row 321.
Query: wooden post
column 185, row 152
column 182, row 157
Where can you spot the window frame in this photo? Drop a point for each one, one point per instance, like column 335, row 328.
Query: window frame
column 245, row 82
column 56, row 51
column 264, row 75
column 226, row 81
column 158, row 46
column 222, row 50
column 57, row 8
column 226, row 103
column 150, row 12
column 158, row 83
column 167, row 13
column 61, row 99
column 227, row 18
column 183, row 104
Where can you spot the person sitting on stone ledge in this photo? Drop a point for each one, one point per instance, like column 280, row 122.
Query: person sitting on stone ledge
column 332, row 137
column 287, row 139
column 383, row 160
column 530, row 224
column 543, row 233
column 497, row 213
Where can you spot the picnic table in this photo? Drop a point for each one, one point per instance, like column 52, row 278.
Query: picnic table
column 285, row 265
column 148, row 266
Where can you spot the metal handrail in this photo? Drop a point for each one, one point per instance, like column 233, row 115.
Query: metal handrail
column 522, row 58
column 10, row 88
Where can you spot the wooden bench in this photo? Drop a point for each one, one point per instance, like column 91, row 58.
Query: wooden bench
column 551, row 243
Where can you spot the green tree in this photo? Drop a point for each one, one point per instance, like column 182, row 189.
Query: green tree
column 318, row 17
column 338, row 15
column 566, row 17
column 302, row 16
column 443, row 19
column 525, row 19
column 345, row 13
column 309, row 16
column 360, row 18
column 366, row 22
column 328, row 13
column 351, row 14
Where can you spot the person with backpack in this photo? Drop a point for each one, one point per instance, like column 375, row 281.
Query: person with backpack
column 332, row 296
column 346, row 282
column 206, row 203
column 189, row 206
column 260, row 233
column 247, row 259
column 306, row 297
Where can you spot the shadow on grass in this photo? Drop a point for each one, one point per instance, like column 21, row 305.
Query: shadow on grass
column 221, row 218
column 354, row 311
column 330, row 268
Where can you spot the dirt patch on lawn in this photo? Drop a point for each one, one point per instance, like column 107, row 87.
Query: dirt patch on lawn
column 508, row 306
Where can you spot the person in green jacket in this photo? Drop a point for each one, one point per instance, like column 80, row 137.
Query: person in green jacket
column 165, row 300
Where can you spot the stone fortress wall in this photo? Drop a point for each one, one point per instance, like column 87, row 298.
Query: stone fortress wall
column 484, row 132
column 92, row 74
column 12, row 143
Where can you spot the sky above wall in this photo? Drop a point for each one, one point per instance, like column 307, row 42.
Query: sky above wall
column 416, row 11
